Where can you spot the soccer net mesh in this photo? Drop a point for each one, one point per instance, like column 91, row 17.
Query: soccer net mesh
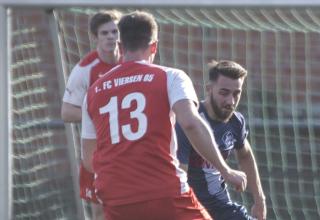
column 280, row 47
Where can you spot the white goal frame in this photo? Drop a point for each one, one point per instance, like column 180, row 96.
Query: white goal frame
column 5, row 144
column 5, row 105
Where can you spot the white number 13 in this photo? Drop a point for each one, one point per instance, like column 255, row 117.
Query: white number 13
column 112, row 109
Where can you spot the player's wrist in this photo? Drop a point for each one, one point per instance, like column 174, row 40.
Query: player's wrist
column 260, row 199
column 226, row 173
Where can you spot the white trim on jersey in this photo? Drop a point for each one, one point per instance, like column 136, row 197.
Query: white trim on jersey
column 78, row 83
column 179, row 86
column 184, row 186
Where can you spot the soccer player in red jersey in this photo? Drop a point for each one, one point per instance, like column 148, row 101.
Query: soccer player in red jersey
column 104, row 30
column 128, row 136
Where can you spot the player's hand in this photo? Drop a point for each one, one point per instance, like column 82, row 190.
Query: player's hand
column 87, row 190
column 259, row 210
column 237, row 178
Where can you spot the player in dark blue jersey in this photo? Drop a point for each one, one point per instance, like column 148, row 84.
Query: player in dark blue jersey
column 224, row 89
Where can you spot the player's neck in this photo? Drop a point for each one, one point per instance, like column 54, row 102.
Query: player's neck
column 110, row 57
column 136, row 55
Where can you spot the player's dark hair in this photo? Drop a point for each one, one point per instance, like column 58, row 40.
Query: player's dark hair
column 101, row 18
column 226, row 68
column 137, row 30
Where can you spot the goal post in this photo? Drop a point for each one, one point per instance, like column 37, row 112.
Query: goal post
column 5, row 181
column 69, row 128
column 278, row 42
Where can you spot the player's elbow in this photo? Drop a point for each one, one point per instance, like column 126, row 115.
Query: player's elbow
column 64, row 115
column 70, row 113
column 187, row 114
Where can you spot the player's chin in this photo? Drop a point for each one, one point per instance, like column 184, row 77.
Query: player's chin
column 228, row 111
column 110, row 47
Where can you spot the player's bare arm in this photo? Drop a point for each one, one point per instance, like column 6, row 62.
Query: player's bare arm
column 248, row 165
column 203, row 141
column 88, row 147
column 70, row 113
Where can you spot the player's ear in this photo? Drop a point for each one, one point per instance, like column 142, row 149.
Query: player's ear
column 153, row 47
column 94, row 38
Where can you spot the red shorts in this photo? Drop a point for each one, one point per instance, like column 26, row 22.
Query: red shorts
column 86, row 179
column 184, row 207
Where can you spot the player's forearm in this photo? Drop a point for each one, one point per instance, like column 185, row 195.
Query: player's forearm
column 204, row 143
column 199, row 134
column 87, row 165
column 88, row 147
column 248, row 165
column 87, row 161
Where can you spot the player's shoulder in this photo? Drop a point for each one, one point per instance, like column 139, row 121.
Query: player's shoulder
column 172, row 70
column 89, row 58
column 166, row 69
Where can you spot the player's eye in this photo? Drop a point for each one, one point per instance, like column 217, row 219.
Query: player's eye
column 104, row 33
column 224, row 92
column 236, row 94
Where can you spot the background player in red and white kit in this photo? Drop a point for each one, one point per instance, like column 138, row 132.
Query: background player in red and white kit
column 128, row 135
column 104, row 30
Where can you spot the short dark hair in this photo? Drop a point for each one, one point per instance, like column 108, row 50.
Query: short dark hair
column 102, row 17
column 226, row 68
column 137, row 30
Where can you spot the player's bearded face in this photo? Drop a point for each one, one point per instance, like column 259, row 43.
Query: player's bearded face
column 224, row 96
column 222, row 110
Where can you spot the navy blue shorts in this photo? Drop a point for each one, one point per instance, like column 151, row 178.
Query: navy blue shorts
column 220, row 207
column 230, row 211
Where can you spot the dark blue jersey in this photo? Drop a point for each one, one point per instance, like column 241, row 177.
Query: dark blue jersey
column 202, row 175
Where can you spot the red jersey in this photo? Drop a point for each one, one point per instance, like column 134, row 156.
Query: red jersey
column 128, row 111
column 84, row 74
